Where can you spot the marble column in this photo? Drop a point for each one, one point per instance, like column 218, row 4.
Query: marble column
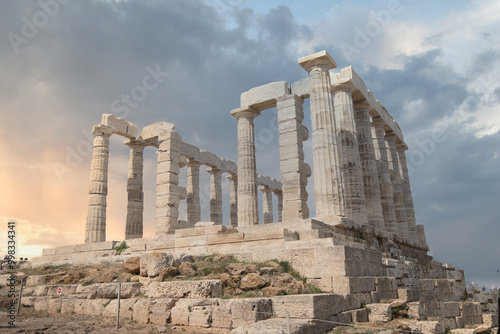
column 193, row 192
column 135, row 205
column 279, row 196
column 397, row 185
column 327, row 177
column 384, row 175
column 215, row 195
column 294, row 171
column 407, row 197
column 168, row 192
column 368, row 165
column 350, row 162
column 233, row 200
column 248, row 211
column 95, row 230
column 267, row 205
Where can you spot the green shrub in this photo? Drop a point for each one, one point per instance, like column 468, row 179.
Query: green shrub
column 120, row 248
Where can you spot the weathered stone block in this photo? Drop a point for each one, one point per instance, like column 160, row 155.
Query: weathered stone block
column 385, row 283
column 450, row 309
column 201, row 316
column 160, row 310
column 247, row 311
column 408, row 295
column 379, row 312
column 221, row 314
column 360, row 315
column 415, row 310
column 490, row 320
column 185, row 289
column 140, row 311
column 353, row 284
column 35, row 280
column 309, row 306
column 153, row 263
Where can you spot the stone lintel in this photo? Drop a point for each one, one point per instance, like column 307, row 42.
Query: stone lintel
column 401, row 146
column 345, row 85
column 136, row 142
column 245, row 111
column 318, row 58
column 102, row 129
column 153, row 131
column 265, row 96
column 120, row 125
column 266, row 181
column 301, row 88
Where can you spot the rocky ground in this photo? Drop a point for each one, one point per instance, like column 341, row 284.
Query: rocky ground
column 239, row 279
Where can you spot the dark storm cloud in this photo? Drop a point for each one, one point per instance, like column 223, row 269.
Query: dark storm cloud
column 423, row 77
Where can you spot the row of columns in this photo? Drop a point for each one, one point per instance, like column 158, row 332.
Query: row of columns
column 360, row 170
column 168, row 192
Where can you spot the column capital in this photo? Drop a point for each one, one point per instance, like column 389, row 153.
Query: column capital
column 133, row 143
column 347, row 87
column 362, row 106
column 248, row 112
column 278, row 192
column 265, row 189
column 318, row 59
column 232, row 177
column 391, row 137
column 214, row 170
column 193, row 163
column 401, row 147
column 378, row 122
column 102, row 130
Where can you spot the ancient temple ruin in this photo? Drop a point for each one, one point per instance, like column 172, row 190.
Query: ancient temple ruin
column 364, row 243
column 359, row 162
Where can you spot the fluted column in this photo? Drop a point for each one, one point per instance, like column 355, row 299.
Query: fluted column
column 233, row 200
column 397, row 185
column 327, row 177
column 267, row 205
column 407, row 197
column 215, row 195
column 248, row 212
column 294, row 171
column 193, row 192
column 350, row 163
column 279, row 196
column 384, row 175
column 135, row 204
column 168, row 192
column 368, row 165
column 95, row 230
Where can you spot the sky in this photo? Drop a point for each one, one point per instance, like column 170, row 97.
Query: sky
column 435, row 66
